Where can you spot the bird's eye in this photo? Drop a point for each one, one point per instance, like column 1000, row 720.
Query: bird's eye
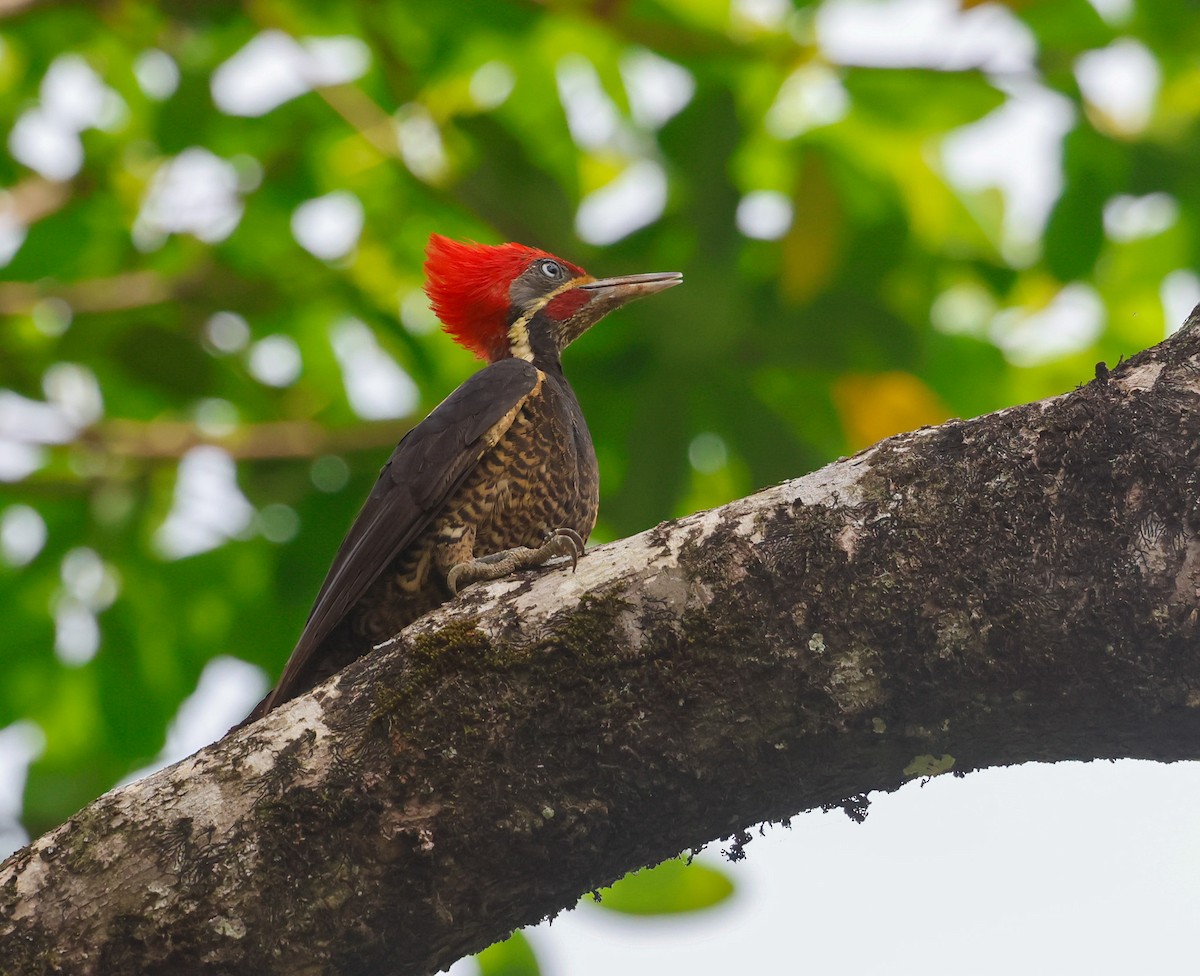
column 551, row 269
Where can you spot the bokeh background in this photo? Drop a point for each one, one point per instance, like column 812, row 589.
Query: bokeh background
column 888, row 213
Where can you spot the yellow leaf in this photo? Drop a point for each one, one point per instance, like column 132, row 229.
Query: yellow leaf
column 878, row 405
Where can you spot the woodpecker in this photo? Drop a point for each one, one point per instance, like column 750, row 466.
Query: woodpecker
column 500, row 476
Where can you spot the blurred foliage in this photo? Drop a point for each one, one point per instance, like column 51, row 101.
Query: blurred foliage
column 840, row 286
column 512, row 957
column 671, row 888
column 675, row 887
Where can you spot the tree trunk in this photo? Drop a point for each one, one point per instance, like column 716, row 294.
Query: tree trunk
column 1017, row 587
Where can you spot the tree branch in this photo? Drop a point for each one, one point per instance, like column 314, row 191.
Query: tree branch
column 133, row 289
column 1021, row 586
column 271, row 440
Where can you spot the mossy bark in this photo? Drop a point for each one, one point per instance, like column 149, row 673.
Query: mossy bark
column 1017, row 587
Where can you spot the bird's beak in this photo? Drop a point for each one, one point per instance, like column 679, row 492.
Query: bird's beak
column 625, row 288
column 602, row 296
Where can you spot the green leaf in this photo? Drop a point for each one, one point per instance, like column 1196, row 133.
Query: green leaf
column 921, row 99
column 512, row 957
column 1071, row 24
column 671, row 888
column 1095, row 168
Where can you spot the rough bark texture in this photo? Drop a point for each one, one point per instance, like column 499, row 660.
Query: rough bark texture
column 1022, row 586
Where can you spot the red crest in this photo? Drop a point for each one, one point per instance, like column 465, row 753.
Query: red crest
column 468, row 284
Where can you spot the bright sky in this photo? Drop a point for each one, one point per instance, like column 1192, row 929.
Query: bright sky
column 1071, row 868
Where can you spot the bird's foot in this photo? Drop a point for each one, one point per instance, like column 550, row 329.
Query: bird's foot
column 561, row 542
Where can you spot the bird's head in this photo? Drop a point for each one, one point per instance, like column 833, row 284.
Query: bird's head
column 506, row 300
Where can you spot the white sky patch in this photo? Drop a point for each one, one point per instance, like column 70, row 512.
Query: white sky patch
column 764, row 214
column 328, row 227
column 228, row 688
column 193, row 193
column 73, row 390
column 591, row 115
column 275, row 361
column 1127, row 218
column 657, row 89
column 809, row 97
column 25, row 425
column 74, row 94
column 45, row 145
column 20, row 744
column 963, row 309
column 1180, row 293
column 421, row 145
column 89, row 586
column 76, row 632
column 33, row 421
column 924, row 33
column 89, row 579
column 1018, row 149
column 336, row 60
column 634, row 199
column 18, row 460
column 208, row 508
column 1072, row 321
column 226, row 332
column 376, row 386
column 22, row 534
column 1121, row 83
column 491, row 84
column 954, row 864
column 274, row 68
column 638, row 195
column 1114, row 12
column 157, row 74
column 769, row 15
column 72, row 98
column 12, row 230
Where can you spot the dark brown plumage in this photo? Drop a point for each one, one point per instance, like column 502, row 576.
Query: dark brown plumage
column 502, row 474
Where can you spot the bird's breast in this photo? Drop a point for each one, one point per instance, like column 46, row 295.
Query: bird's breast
column 540, row 476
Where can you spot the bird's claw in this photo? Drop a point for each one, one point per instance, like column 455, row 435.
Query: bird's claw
column 575, row 540
column 452, row 577
column 561, row 542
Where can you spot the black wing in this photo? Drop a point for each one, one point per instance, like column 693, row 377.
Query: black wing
column 430, row 462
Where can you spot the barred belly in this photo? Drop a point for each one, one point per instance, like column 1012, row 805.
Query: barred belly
column 539, row 477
